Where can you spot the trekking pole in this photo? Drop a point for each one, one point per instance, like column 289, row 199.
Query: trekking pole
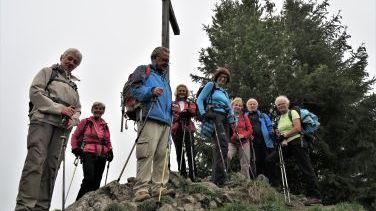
column 285, row 185
column 108, row 166
column 220, row 150
column 182, row 148
column 164, row 169
column 247, row 158
column 64, row 140
column 192, row 156
column 75, row 163
column 138, row 136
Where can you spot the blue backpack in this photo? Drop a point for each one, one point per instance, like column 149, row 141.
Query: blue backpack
column 309, row 122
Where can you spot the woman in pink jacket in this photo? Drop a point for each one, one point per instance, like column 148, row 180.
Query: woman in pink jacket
column 182, row 131
column 240, row 139
column 91, row 142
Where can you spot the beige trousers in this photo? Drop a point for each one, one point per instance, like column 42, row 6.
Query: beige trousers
column 151, row 151
column 243, row 156
column 44, row 155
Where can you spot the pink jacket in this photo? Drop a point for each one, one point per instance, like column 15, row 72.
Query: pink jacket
column 243, row 127
column 191, row 111
column 96, row 137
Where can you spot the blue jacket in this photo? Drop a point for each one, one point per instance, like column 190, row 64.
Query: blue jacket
column 142, row 91
column 266, row 128
column 220, row 100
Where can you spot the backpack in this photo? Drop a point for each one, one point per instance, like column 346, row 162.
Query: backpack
column 309, row 122
column 210, row 95
column 53, row 76
column 128, row 101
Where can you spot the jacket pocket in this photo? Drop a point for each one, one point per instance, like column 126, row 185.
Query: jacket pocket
column 142, row 149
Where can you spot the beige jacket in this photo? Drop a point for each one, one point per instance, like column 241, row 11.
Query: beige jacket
column 50, row 101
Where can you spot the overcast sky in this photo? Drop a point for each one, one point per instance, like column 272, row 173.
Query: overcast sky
column 114, row 37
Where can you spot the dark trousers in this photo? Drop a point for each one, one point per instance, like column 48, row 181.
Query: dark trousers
column 189, row 150
column 220, row 145
column 299, row 151
column 264, row 167
column 93, row 167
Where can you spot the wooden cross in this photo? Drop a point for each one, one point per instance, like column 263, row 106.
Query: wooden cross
column 168, row 15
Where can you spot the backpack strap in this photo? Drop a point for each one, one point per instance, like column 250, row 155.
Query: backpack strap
column 290, row 115
column 80, row 138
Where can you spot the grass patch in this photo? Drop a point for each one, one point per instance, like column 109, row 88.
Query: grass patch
column 237, row 207
column 199, row 188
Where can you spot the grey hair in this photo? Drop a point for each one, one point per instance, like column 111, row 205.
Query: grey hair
column 98, row 104
column 157, row 51
column 252, row 99
column 73, row 51
column 282, row 98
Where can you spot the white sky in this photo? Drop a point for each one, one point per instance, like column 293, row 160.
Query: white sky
column 114, row 37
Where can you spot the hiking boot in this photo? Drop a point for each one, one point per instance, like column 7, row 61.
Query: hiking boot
column 141, row 196
column 164, row 192
column 312, row 201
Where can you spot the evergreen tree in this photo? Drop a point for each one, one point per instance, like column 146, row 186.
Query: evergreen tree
column 303, row 54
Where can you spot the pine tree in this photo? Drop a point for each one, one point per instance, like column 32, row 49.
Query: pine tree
column 303, row 53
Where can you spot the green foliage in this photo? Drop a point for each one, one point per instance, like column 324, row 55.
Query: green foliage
column 302, row 53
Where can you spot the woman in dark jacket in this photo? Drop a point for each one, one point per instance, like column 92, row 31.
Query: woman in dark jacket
column 182, row 131
column 262, row 143
column 91, row 142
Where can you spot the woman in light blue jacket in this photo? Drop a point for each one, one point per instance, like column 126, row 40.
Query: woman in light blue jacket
column 218, row 112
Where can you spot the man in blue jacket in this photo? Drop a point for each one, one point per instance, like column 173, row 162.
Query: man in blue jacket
column 154, row 92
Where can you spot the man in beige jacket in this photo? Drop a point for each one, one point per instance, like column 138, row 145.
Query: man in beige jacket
column 54, row 109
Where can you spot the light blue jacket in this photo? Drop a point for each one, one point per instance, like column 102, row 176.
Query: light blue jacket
column 161, row 110
column 220, row 100
column 266, row 128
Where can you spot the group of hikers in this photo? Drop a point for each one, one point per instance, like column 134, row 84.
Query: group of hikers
column 55, row 109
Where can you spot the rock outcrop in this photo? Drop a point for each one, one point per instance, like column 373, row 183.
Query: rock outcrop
column 202, row 195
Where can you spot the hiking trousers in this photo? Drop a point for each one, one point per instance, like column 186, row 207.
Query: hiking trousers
column 93, row 167
column 151, row 151
column 219, row 166
column 243, row 155
column 44, row 155
column 302, row 159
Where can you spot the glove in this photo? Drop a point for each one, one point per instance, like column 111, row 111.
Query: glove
column 110, row 155
column 280, row 138
column 77, row 152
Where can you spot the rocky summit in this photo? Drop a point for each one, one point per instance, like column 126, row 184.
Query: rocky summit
column 239, row 194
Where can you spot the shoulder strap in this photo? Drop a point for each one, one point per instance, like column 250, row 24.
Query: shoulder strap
column 148, row 70
column 290, row 115
column 211, row 94
column 53, row 76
